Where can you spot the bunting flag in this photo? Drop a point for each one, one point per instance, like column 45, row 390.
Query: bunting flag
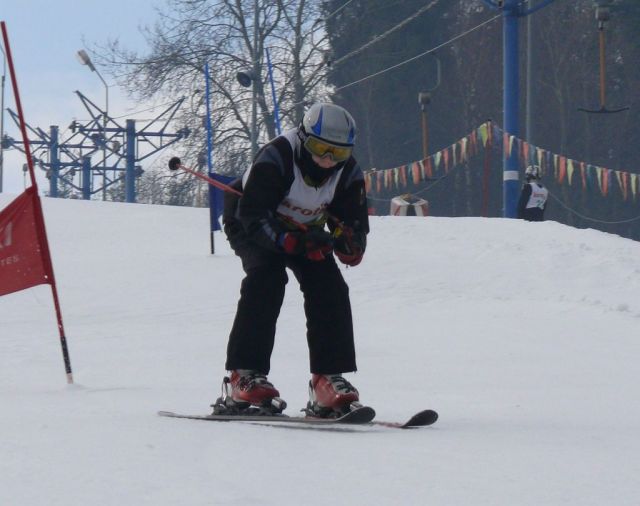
column 562, row 169
column 484, row 134
column 583, row 175
column 428, row 168
column 437, row 157
column 557, row 166
column 623, row 180
column 540, row 155
column 598, row 171
column 474, row 143
column 416, row 172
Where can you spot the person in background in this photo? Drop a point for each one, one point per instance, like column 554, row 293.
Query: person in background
column 300, row 182
column 533, row 197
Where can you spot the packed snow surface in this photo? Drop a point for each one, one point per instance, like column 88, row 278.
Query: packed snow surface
column 524, row 336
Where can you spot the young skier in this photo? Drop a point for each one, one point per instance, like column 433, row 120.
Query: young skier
column 533, row 197
column 305, row 176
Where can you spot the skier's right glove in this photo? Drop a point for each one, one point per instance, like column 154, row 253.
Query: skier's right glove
column 350, row 245
column 315, row 243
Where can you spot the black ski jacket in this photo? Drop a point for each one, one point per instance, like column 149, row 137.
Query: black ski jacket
column 253, row 218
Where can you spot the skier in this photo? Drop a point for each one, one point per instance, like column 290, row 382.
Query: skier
column 308, row 176
column 533, row 197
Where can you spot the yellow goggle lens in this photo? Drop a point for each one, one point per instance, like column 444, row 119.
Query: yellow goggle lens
column 320, row 148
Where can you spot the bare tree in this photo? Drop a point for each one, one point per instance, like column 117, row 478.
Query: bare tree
column 231, row 36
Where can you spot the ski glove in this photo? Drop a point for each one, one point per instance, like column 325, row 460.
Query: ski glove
column 315, row 243
column 349, row 246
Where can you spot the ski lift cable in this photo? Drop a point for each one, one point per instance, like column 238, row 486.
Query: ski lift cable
column 151, row 108
column 337, row 10
column 584, row 217
column 384, row 35
column 413, row 58
column 440, row 46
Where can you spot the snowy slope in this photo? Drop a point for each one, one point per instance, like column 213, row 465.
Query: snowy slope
column 525, row 337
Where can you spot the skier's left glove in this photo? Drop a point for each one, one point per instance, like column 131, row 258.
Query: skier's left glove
column 349, row 246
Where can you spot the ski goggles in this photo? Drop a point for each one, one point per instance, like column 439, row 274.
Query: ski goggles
column 321, row 148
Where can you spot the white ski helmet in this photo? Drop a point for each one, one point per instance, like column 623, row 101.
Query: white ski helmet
column 533, row 172
column 328, row 129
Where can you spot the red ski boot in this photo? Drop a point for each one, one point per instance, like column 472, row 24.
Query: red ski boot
column 248, row 392
column 330, row 395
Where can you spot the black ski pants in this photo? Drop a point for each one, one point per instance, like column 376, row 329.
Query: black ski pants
column 326, row 305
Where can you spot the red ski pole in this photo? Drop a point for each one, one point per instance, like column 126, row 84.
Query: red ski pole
column 175, row 164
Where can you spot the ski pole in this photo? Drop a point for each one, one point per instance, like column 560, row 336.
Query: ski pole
column 175, row 164
column 343, row 229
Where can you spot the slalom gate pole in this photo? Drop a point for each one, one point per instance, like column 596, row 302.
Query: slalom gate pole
column 42, row 234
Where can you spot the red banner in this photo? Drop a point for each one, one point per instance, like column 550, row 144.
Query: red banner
column 23, row 262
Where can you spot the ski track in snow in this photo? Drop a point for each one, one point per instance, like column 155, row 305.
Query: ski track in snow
column 524, row 336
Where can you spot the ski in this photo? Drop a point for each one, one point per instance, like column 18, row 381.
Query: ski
column 363, row 416
column 420, row 419
column 358, row 416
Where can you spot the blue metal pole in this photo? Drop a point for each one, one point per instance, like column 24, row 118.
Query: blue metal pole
column 86, row 177
column 55, row 162
column 511, row 98
column 130, row 170
column 276, row 109
column 208, row 122
column 512, row 11
column 213, row 204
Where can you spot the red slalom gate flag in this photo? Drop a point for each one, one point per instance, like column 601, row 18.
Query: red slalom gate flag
column 24, row 253
column 24, row 260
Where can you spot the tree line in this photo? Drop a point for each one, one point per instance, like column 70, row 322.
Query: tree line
column 327, row 50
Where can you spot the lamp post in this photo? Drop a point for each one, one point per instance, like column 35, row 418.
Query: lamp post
column 84, row 59
column 247, row 78
column 4, row 77
column 424, row 99
column 250, row 77
column 276, row 109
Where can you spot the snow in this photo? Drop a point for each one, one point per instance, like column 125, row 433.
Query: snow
column 524, row 336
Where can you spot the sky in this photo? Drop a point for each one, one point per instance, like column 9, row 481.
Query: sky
column 45, row 37
column 523, row 336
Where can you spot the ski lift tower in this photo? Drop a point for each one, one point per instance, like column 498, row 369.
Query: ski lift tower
column 512, row 11
column 119, row 149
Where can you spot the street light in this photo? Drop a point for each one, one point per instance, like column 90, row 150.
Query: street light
column 246, row 77
column 84, row 59
column 424, row 99
column 249, row 78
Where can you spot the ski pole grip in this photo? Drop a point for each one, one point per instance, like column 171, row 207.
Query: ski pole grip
column 174, row 163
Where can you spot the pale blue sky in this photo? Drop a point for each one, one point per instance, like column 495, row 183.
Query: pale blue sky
column 45, row 36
